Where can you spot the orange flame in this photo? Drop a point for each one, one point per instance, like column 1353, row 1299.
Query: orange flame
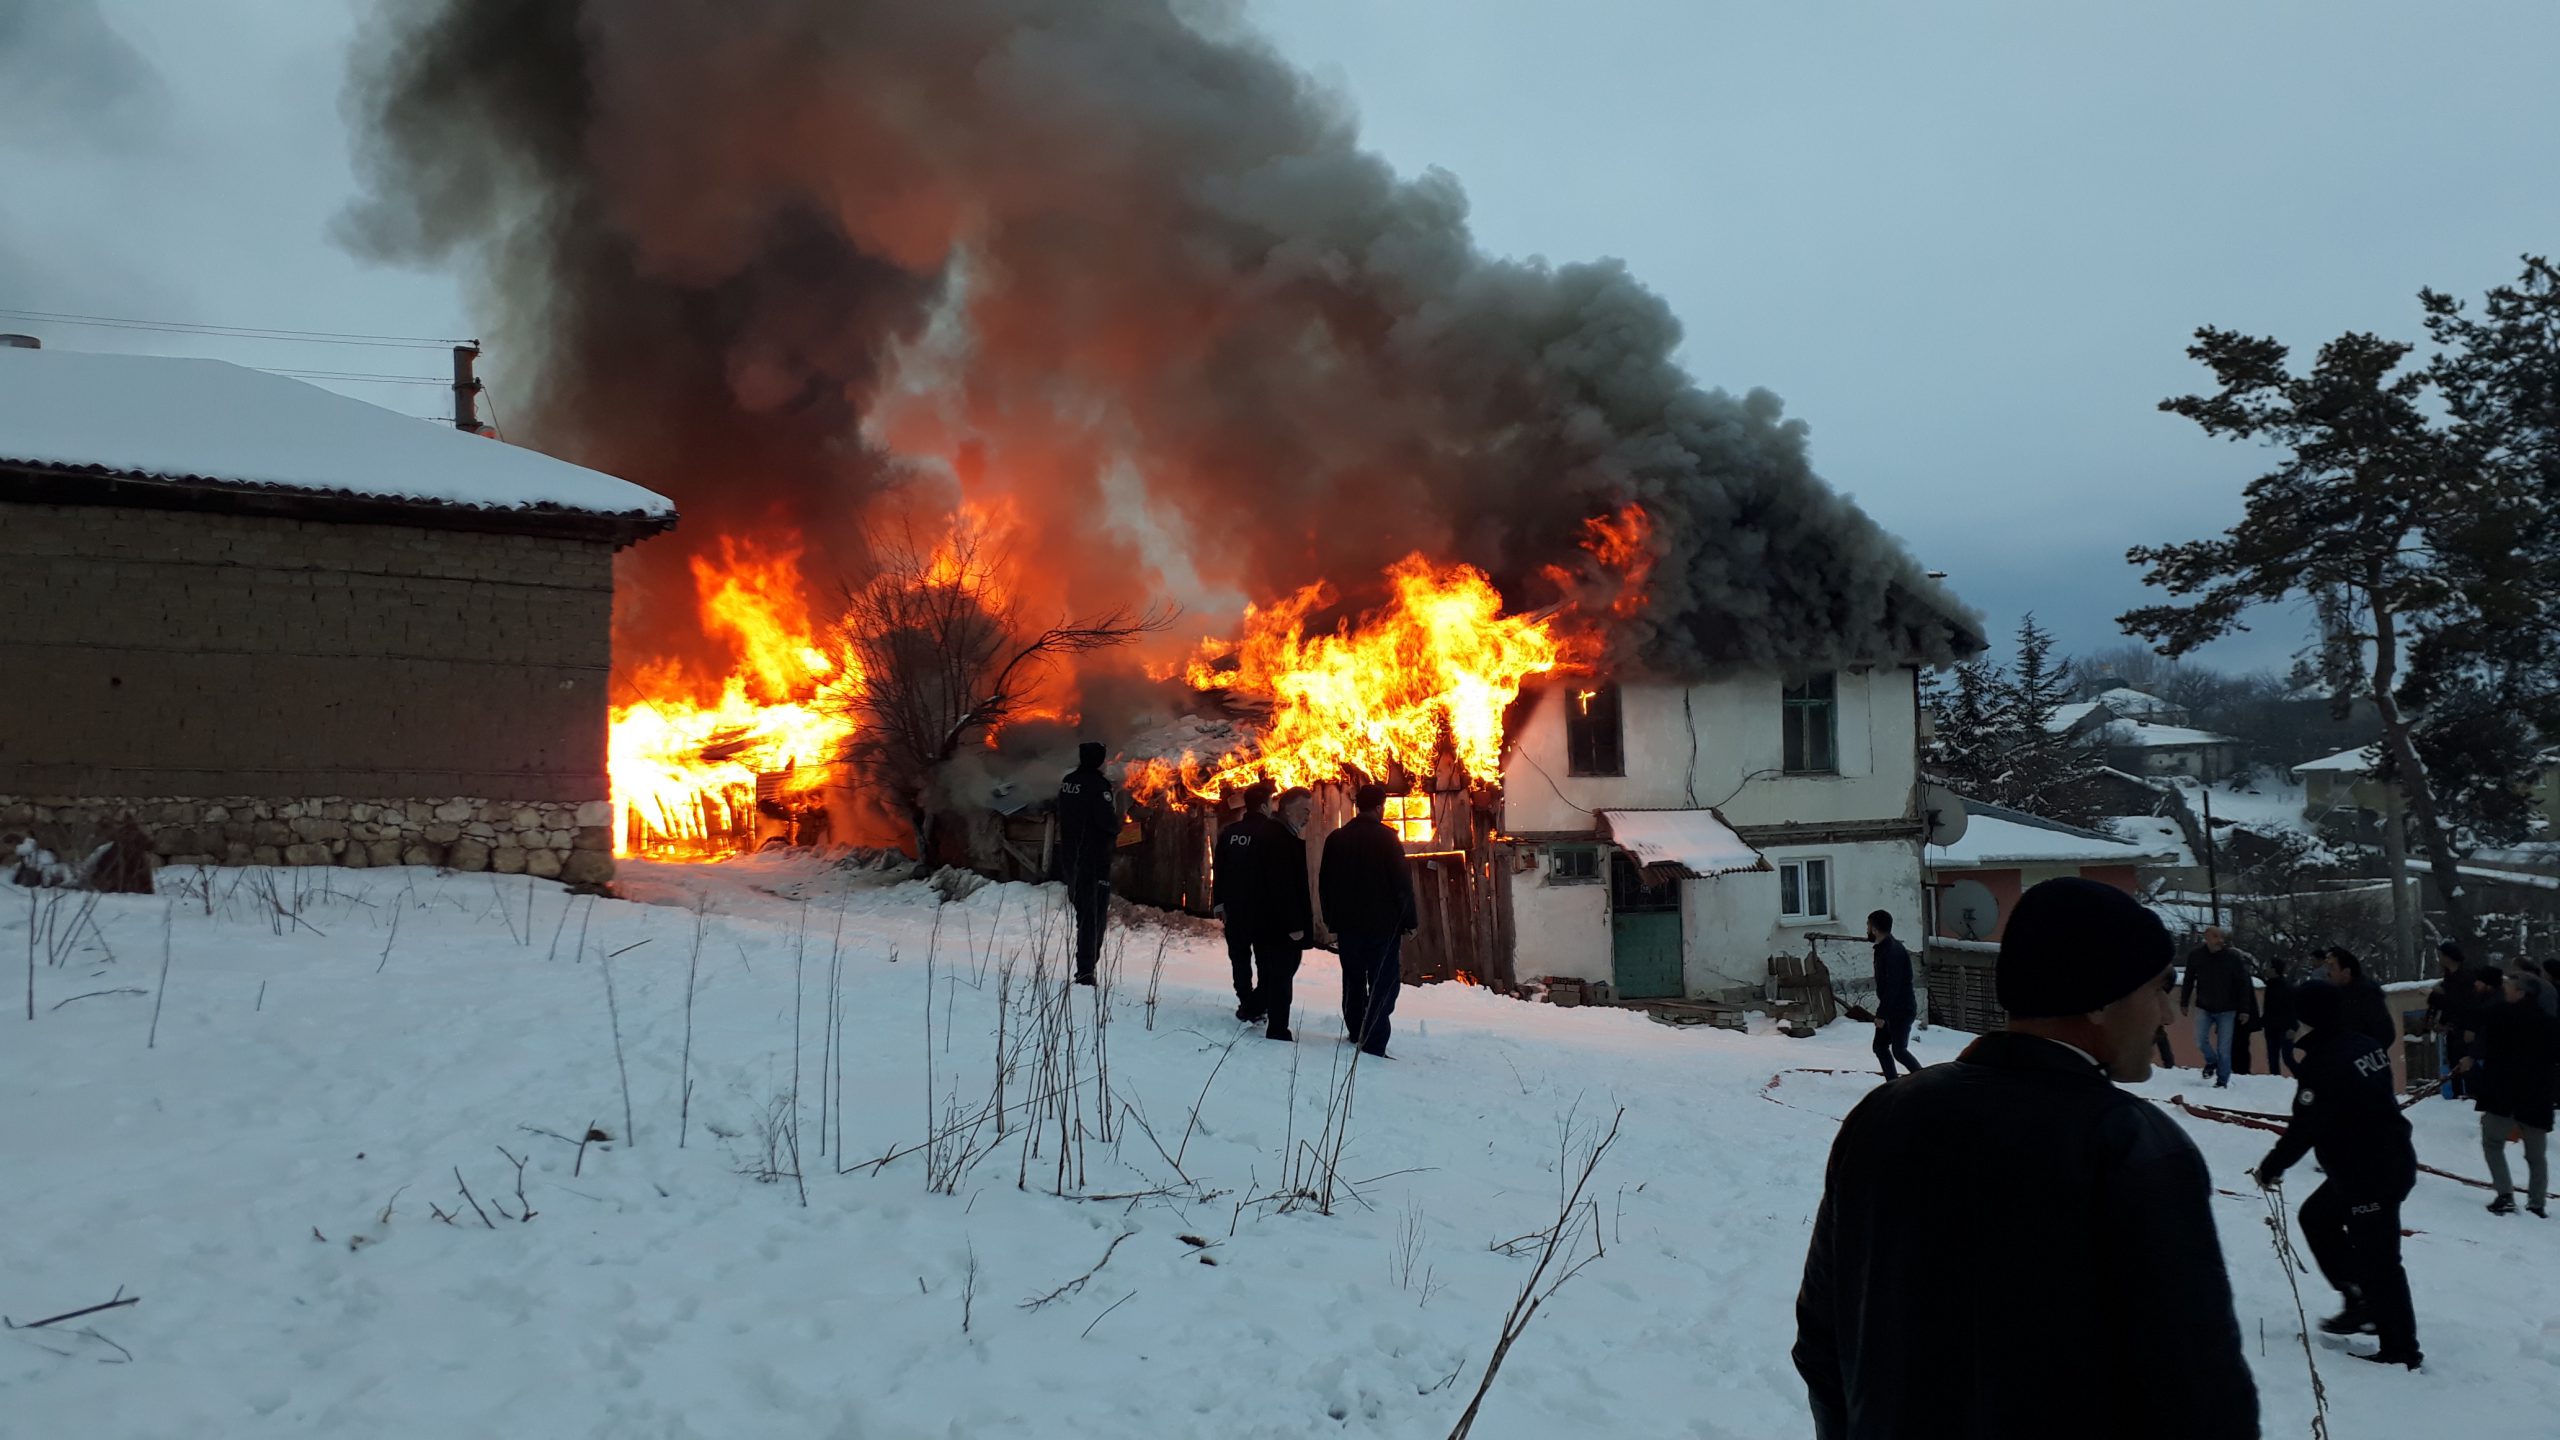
column 1621, row 550
column 1435, row 666
column 685, row 767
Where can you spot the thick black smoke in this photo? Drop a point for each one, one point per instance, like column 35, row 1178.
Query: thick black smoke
column 758, row 246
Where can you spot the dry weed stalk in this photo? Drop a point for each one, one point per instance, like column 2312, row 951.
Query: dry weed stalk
column 692, row 968
column 613, row 1011
column 1560, row 1254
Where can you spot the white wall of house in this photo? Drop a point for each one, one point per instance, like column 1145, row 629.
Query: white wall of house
column 1732, row 925
column 2203, row 762
column 1559, row 928
column 1723, row 748
column 1734, row 728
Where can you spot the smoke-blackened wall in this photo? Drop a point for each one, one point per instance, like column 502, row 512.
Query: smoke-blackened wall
column 767, row 252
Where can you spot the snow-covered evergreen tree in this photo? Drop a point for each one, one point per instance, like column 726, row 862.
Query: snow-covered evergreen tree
column 1993, row 738
column 2047, row 773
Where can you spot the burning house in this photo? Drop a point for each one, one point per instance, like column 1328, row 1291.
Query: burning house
column 1665, row 837
column 1110, row 287
column 272, row 624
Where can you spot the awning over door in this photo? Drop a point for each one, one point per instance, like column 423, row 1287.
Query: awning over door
column 1695, row 841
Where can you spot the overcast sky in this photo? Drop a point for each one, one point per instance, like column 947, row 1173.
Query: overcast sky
column 1966, row 240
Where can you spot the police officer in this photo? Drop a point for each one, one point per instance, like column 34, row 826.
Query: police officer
column 1088, row 829
column 1235, row 892
column 2347, row 1112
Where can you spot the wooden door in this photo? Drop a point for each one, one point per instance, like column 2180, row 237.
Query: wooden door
column 1644, row 931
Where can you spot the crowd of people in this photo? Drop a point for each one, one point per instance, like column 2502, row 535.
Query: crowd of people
column 1260, row 891
column 2077, row 1198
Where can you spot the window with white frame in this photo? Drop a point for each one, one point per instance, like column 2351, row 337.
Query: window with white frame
column 1804, row 889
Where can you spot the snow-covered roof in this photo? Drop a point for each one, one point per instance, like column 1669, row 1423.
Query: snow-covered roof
column 2067, row 718
column 2495, row 875
column 2359, row 761
column 2156, row 833
column 1698, row 841
column 159, row 417
column 1204, row 738
column 2125, row 700
column 2006, row 838
column 2141, row 734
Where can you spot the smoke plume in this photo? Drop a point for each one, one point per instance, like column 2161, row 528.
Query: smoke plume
column 1112, row 262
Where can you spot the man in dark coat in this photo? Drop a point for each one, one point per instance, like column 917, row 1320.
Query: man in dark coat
column 1896, row 1005
column 2089, row 1297
column 2217, row 993
column 1367, row 888
column 1235, row 892
column 1290, row 907
column 2276, row 1019
column 2550, row 993
column 2361, row 1006
column 1088, row 831
column 2449, row 1009
column 2520, row 1045
column 2347, row 1112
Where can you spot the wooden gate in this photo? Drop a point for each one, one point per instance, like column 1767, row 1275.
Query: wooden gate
column 1445, row 942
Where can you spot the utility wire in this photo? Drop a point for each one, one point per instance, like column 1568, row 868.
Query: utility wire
column 242, row 332
column 375, row 378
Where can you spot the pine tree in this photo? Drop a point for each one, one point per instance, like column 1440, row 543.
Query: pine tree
column 1967, row 727
column 2485, row 686
column 2375, row 511
column 2048, row 773
column 1994, row 739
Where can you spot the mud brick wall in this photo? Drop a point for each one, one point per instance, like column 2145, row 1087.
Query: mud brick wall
column 171, row 658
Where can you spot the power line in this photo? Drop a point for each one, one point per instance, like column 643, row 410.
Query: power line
column 240, row 332
column 377, row 379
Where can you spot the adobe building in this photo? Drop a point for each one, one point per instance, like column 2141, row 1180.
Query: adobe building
column 275, row 625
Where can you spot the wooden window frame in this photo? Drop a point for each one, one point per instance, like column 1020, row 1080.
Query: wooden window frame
column 1798, row 707
column 1592, row 873
column 1405, row 812
column 1586, row 753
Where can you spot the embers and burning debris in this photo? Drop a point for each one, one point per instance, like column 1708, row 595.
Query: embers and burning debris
column 710, row 767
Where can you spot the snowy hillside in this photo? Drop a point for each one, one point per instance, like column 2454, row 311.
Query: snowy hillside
column 337, row 1053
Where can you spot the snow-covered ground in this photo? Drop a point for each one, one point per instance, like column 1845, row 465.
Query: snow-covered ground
column 312, row 1074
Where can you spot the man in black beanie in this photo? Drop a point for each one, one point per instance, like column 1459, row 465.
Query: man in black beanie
column 2089, row 1297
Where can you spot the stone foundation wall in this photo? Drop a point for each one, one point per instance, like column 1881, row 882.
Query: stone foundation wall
column 550, row 839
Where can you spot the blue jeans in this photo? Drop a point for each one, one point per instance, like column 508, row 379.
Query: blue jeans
column 2214, row 1031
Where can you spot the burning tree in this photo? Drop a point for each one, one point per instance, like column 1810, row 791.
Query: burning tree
column 947, row 656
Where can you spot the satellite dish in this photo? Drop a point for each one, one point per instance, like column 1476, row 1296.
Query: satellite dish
column 1942, row 814
column 1967, row 910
